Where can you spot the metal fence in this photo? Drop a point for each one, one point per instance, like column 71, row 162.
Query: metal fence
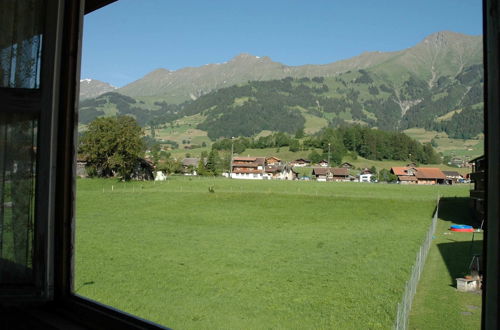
column 404, row 307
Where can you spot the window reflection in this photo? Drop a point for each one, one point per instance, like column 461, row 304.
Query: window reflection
column 20, row 43
column 17, row 192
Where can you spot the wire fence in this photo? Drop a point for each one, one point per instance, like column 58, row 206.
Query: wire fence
column 404, row 307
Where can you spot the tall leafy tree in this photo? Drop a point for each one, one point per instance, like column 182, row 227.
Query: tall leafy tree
column 112, row 146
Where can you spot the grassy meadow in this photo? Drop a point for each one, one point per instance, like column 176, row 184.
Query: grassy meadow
column 437, row 303
column 253, row 254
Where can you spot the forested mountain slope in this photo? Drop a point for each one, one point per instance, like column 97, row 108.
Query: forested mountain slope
column 436, row 85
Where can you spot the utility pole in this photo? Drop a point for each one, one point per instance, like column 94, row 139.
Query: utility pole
column 328, row 154
column 231, row 163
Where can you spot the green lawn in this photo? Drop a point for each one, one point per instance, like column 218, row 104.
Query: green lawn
column 252, row 255
column 437, row 304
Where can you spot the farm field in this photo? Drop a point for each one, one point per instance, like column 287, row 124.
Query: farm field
column 252, row 255
column 449, row 147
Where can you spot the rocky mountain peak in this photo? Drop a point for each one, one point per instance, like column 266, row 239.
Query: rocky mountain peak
column 92, row 88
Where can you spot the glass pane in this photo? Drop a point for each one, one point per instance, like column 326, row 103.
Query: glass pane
column 20, row 43
column 17, row 196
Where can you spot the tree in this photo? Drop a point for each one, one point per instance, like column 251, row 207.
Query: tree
column 112, row 146
column 386, row 175
column 315, row 157
column 299, row 134
column 294, row 145
column 213, row 163
column 200, row 170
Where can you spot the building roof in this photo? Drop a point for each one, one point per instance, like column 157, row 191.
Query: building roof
column 399, row 170
column 340, row 171
column 452, row 173
column 244, row 159
column 429, row 173
column 330, row 170
column 273, row 157
column 301, row 160
column 249, row 161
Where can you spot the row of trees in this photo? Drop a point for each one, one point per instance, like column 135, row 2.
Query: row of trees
column 354, row 139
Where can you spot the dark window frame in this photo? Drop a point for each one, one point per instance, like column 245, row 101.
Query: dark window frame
column 65, row 80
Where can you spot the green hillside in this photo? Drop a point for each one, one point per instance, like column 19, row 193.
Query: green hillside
column 436, row 85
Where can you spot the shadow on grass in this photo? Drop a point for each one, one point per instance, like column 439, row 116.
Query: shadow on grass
column 458, row 257
column 457, row 254
column 457, row 210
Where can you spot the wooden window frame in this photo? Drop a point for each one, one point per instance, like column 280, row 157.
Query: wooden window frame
column 63, row 100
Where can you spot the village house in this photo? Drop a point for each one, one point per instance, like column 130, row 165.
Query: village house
column 301, row 162
column 323, row 174
column 419, row 175
column 365, row 177
column 323, row 163
column 405, row 174
column 453, row 177
column 248, row 168
column 189, row 165
column 347, row 165
column 261, row 168
column 281, row 172
column 273, row 161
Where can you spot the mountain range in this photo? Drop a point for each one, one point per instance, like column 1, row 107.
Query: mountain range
column 437, row 84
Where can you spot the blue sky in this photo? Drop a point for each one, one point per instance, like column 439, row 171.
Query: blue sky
column 126, row 40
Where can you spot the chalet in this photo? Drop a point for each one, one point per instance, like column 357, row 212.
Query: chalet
column 143, row 170
column 341, row 174
column 301, row 162
column 323, row 163
column 189, row 165
column 419, row 175
column 331, row 174
column 281, row 172
column 347, row 165
column 453, row 177
column 406, row 175
column 366, row 170
column 322, row 174
column 248, row 168
column 365, row 177
column 273, row 161
column 430, row 175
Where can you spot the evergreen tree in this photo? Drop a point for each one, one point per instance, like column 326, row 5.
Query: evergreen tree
column 214, row 163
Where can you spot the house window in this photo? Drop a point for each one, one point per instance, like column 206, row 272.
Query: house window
column 21, row 26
